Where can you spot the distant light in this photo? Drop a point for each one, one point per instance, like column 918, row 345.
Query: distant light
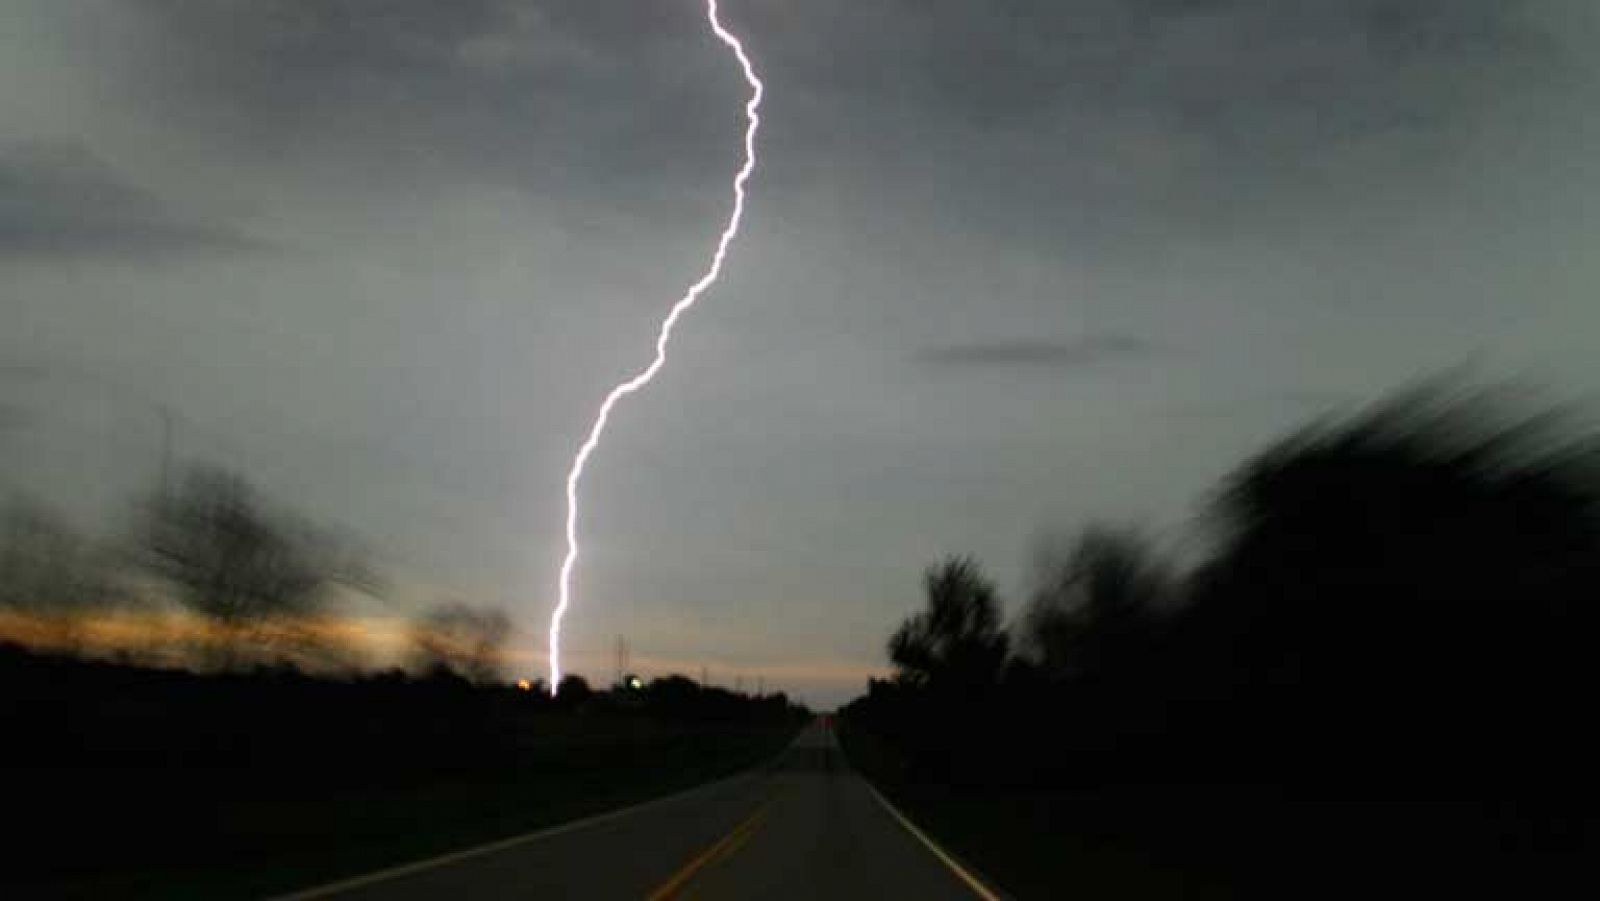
column 634, row 683
column 524, row 685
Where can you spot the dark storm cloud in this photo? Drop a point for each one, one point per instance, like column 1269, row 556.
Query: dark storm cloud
column 61, row 200
column 540, row 95
column 1355, row 64
column 1145, row 116
column 1106, row 126
column 1027, row 352
column 1164, row 104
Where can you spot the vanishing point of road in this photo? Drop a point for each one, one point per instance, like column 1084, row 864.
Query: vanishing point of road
column 806, row 827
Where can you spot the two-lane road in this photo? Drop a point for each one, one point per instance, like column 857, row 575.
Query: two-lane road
column 808, row 827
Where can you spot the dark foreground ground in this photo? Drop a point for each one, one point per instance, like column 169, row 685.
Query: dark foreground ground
column 1238, row 840
column 124, row 782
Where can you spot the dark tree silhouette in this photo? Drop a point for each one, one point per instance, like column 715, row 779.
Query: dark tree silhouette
column 1426, row 572
column 463, row 640
column 574, row 690
column 1400, row 605
column 228, row 557
column 46, row 566
column 1093, row 603
column 956, row 644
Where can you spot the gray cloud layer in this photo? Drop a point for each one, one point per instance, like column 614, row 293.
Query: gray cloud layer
column 60, row 200
column 1027, row 352
column 1118, row 105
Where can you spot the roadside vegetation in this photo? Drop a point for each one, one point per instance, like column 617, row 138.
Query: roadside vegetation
column 188, row 711
column 1381, row 669
column 136, row 781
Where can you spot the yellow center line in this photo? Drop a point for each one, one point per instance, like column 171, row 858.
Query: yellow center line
column 723, row 848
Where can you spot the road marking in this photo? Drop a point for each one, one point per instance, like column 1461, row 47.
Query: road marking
column 344, row 885
column 724, row 847
column 981, row 890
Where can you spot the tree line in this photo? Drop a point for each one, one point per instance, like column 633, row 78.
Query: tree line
column 263, row 584
column 267, row 654
column 1406, row 596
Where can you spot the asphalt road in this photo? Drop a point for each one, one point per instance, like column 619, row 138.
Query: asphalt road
column 807, row 827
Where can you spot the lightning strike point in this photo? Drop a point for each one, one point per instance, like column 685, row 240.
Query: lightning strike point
column 643, row 377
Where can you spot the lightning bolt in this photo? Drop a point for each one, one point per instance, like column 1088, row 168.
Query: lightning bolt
column 644, row 376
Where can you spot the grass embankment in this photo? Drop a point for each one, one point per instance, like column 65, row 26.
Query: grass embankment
column 1035, row 843
column 1028, row 843
column 135, row 783
column 1188, row 840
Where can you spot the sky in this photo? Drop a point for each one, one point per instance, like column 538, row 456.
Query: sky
column 1007, row 269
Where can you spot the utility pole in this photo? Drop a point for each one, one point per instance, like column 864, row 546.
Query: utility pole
column 705, row 681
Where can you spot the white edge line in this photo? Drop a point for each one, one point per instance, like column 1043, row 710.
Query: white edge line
column 406, row 869
column 977, row 886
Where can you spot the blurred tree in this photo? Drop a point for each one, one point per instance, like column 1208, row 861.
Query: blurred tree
column 257, row 575
column 1093, row 602
column 46, row 567
column 1427, row 571
column 956, row 644
column 466, row 641
column 230, row 559
column 53, row 575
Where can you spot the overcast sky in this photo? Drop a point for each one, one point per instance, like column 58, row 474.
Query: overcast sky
column 1008, row 267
